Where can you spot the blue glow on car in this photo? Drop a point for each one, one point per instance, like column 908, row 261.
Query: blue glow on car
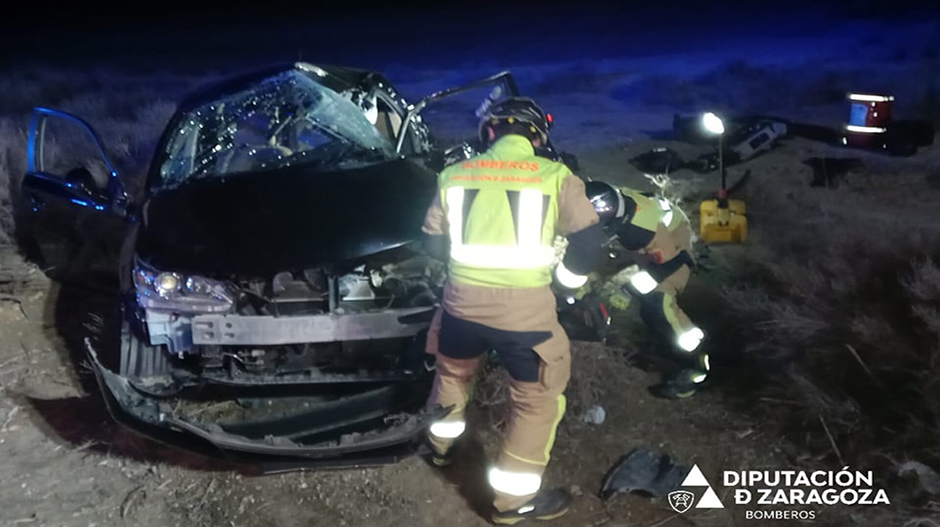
column 80, row 202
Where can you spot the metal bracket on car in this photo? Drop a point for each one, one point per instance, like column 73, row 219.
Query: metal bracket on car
column 266, row 330
column 169, row 329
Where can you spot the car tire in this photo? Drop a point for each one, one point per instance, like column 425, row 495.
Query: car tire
column 139, row 359
column 25, row 241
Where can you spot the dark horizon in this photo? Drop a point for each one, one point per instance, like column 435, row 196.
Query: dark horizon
column 412, row 32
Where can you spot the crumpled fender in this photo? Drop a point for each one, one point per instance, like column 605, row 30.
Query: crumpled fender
column 142, row 414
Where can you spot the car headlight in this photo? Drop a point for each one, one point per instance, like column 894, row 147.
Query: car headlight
column 166, row 284
column 187, row 294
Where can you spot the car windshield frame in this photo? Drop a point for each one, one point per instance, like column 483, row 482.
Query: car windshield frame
column 283, row 120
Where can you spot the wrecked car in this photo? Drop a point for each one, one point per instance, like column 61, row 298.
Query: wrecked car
column 274, row 295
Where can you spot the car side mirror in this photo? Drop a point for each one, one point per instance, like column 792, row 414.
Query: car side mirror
column 82, row 179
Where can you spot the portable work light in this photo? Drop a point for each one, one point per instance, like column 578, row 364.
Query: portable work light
column 721, row 220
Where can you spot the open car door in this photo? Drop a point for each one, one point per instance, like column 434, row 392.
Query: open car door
column 73, row 208
column 453, row 115
column 456, row 128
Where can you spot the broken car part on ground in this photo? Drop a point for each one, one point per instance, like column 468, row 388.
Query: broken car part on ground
column 643, row 470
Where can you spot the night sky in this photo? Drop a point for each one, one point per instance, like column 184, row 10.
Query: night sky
column 145, row 33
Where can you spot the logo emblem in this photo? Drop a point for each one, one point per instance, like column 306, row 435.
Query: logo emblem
column 709, row 500
column 681, row 500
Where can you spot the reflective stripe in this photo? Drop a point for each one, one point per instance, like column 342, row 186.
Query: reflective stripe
column 529, row 253
column 690, row 339
column 699, row 378
column 707, row 362
column 562, row 405
column 870, row 98
column 529, row 218
column 525, row 509
column 514, row 483
column 667, row 211
column 667, row 218
column 643, row 282
column 525, row 460
column 448, row 429
column 455, row 214
column 569, row 279
column 502, row 256
column 865, row 129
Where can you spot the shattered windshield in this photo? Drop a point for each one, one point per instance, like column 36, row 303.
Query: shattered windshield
column 285, row 120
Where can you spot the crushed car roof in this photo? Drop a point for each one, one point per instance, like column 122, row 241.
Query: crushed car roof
column 337, row 78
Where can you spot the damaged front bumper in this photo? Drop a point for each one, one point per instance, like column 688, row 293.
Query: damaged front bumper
column 180, row 333
column 374, row 426
column 231, row 330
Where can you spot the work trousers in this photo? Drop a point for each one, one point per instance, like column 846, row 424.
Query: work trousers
column 538, row 362
column 660, row 311
column 659, row 308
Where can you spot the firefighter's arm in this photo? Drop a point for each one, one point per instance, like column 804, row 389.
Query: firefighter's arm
column 587, row 241
column 436, row 241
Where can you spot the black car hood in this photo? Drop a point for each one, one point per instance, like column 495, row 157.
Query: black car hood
column 286, row 219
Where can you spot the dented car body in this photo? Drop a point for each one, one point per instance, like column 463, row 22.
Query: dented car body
column 274, row 297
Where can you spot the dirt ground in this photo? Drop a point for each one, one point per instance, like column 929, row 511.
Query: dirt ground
column 65, row 462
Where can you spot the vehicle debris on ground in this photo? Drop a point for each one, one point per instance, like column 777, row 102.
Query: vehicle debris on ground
column 643, row 470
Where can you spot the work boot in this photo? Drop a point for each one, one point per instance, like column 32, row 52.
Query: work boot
column 546, row 505
column 441, row 460
column 430, row 454
column 678, row 385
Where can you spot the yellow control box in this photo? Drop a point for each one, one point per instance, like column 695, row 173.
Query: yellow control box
column 723, row 224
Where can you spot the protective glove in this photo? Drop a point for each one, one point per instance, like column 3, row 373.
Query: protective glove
column 615, row 297
column 586, row 319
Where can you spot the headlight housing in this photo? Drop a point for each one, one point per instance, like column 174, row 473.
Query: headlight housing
column 175, row 292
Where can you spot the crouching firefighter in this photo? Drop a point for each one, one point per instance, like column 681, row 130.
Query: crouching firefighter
column 495, row 219
column 659, row 237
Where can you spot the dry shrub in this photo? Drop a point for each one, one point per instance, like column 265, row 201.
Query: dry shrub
column 838, row 296
column 594, row 368
column 12, row 159
column 491, row 395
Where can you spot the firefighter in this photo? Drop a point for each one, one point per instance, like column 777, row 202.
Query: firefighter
column 663, row 236
column 494, row 220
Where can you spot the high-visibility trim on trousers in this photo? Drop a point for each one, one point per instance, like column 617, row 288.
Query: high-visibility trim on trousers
column 448, row 429
column 690, row 340
column 562, row 406
column 514, row 483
